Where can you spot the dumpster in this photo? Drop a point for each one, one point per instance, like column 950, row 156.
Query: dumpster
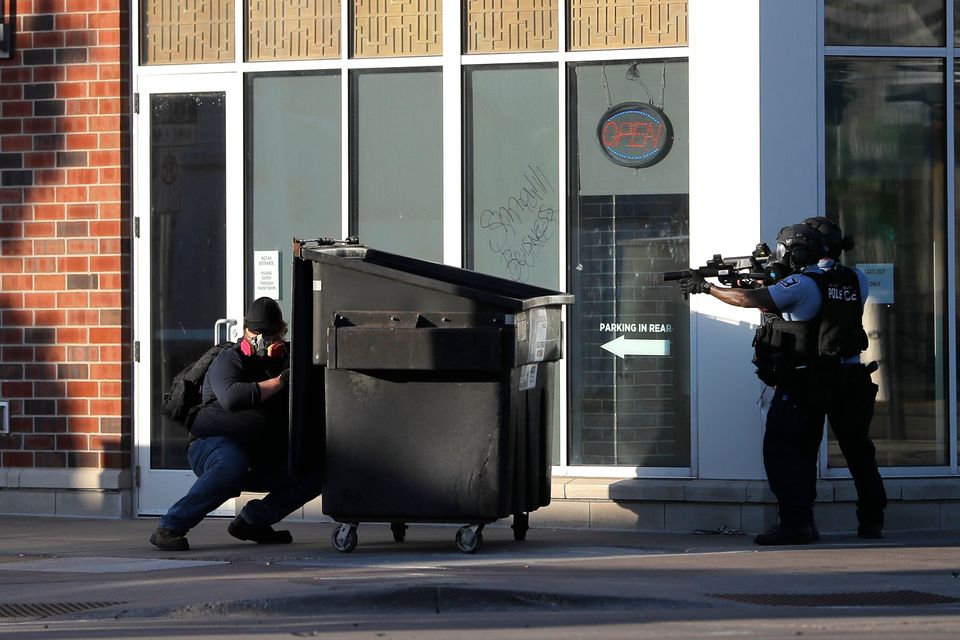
column 427, row 389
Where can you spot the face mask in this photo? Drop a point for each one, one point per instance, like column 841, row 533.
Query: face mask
column 257, row 346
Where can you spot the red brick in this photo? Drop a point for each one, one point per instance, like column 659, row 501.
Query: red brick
column 50, row 389
column 51, row 74
column 83, row 389
column 83, row 354
column 16, row 143
column 104, row 158
column 53, row 211
column 49, row 247
column 71, row 21
column 104, row 56
column 104, row 88
column 82, row 460
column 72, row 299
column 55, row 282
column 17, row 459
column 105, row 407
column 42, row 194
column 10, row 126
column 72, row 194
column 80, row 38
column 111, row 389
column 109, row 246
column 19, row 282
column 16, row 248
column 48, row 40
column 81, row 211
column 16, row 354
column 78, row 141
column 115, row 460
column 83, row 176
column 105, row 335
column 111, row 141
column 40, row 300
column 74, row 264
column 82, row 107
column 100, row 299
column 100, row 264
column 12, row 265
column 73, row 441
column 22, row 109
column 73, row 407
column 50, row 459
column 40, row 372
column 72, row 335
column 72, row 124
column 111, row 353
column 50, row 353
column 13, row 213
column 43, row 442
column 82, row 245
column 106, row 371
column 82, row 73
column 16, row 317
column 87, row 317
column 111, row 281
column 104, row 228
column 84, row 425
column 17, row 389
column 40, row 265
column 50, row 317
column 39, row 125
column 39, row 230
column 11, row 230
column 39, row 160
column 50, row 177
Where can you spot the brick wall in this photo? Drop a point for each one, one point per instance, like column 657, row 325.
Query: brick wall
column 633, row 410
column 64, row 253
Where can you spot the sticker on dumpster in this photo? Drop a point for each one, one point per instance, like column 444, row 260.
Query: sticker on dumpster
column 538, row 344
column 521, row 327
column 528, row 377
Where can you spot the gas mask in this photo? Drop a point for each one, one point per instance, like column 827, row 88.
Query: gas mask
column 258, row 346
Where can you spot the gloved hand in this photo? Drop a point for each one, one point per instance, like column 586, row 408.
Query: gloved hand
column 285, row 378
column 694, row 284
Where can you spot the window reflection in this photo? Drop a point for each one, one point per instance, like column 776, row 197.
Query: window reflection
column 886, row 186
column 915, row 23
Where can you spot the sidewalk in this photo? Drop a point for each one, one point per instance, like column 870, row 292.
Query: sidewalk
column 108, row 570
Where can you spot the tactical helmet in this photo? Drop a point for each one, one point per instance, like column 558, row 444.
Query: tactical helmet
column 799, row 245
column 836, row 241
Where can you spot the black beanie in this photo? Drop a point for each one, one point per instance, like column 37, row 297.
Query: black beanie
column 264, row 316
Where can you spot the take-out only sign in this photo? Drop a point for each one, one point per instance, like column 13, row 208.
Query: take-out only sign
column 623, row 346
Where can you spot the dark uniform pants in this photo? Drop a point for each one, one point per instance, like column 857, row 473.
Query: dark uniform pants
column 794, row 430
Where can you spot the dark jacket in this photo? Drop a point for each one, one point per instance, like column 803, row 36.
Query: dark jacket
column 232, row 405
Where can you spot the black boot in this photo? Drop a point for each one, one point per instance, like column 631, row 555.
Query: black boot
column 169, row 540
column 261, row 534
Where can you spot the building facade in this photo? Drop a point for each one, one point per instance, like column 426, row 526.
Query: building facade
column 156, row 158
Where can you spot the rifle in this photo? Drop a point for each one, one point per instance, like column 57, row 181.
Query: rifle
column 743, row 272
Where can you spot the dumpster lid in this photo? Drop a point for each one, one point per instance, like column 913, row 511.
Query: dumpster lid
column 435, row 276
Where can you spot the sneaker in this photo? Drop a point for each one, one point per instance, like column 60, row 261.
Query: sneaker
column 870, row 531
column 261, row 534
column 781, row 535
column 169, row 540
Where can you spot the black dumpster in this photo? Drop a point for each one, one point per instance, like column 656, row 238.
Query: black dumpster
column 428, row 389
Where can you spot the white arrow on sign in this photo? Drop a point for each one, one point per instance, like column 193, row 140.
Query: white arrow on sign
column 624, row 346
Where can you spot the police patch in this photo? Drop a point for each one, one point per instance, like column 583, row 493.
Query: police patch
column 788, row 282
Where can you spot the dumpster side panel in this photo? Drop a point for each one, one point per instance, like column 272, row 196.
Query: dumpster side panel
column 417, row 447
column 306, row 434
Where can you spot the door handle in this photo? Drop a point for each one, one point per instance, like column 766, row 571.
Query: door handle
column 226, row 323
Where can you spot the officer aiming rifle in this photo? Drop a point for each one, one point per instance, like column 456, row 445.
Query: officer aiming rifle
column 808, row 348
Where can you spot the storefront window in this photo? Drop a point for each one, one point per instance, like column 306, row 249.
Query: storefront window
column 397, row 161
column 292, row 172
column 904, row 23
column 885, row 185
column 512, row 165
column 630, row 354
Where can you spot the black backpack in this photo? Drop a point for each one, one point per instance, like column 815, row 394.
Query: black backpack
column 183, row 400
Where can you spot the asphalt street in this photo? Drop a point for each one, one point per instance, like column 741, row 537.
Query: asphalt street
column 75, row 578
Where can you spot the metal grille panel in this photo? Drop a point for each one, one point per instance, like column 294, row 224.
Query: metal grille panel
column 47, row 609
column 860, row 599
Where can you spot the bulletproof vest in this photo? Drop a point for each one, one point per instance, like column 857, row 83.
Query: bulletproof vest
column 841, row 317
column 781, row 345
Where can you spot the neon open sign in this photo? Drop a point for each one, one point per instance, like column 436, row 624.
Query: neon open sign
column 634, row 134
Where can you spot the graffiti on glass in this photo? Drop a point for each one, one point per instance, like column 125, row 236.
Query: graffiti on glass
column 518, row 230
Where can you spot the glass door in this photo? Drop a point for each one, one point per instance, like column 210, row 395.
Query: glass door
column 188, row 255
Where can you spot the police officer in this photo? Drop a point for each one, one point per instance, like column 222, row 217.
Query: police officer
column 812, row 327
column 850, row 395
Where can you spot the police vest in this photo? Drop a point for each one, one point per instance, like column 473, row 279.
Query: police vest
column 837, row 331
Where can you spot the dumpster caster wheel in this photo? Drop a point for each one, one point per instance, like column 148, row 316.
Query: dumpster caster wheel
column 520, row 526
column 469, row 539
column 399, row 530
column 345, row 538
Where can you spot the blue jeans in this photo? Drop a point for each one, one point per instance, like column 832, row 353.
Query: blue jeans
column 224, row 469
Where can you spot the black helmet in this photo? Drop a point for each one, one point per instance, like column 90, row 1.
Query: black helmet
column 837, row 243
column 798, row 246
